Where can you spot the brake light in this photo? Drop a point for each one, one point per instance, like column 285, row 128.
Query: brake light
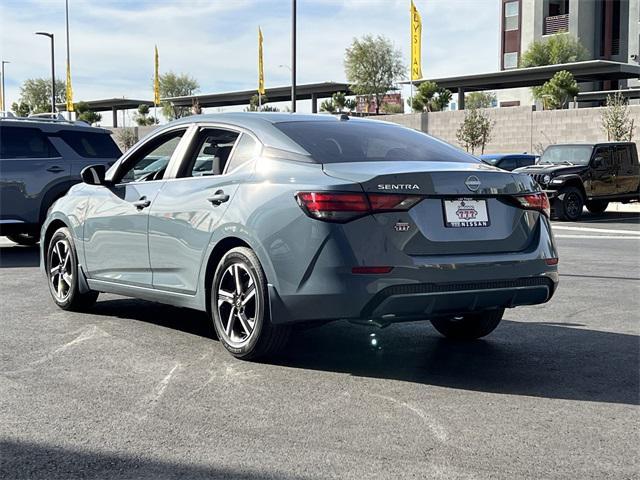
column 342, row 206
column 536, row 201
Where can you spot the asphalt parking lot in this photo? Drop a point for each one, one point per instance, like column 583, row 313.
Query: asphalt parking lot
column 139, row 390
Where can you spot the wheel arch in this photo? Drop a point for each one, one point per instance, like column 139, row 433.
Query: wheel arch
column 576, row 182
column 222, row 247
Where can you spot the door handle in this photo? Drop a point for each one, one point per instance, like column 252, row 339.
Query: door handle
column 218, row 198
column 55, row 169
column 142, row 203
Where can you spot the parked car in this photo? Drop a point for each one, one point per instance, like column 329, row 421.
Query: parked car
column 591, row 175
column 40, row 159
column 303, row 219
column 509, row 161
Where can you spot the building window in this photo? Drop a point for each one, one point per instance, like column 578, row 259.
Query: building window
column 510, row 60
column 511, row 11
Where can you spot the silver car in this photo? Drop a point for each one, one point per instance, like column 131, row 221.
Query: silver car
column 269, row 220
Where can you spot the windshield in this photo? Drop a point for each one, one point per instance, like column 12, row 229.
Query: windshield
column 489, row 160
column 567, row 155
column 357, row 141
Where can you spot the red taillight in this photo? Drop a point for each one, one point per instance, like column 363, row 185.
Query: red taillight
column 343, row 206
column 371, row 270
column 536, row 201
column 551, row 261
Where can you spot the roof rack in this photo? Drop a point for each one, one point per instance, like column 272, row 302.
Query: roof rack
column 6, row 114
column 42, row 117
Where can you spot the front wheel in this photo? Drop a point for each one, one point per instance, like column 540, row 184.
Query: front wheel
column 569, row 204
column 62, row 273
column 597, row 206
column 240, row 308
column 469, row 326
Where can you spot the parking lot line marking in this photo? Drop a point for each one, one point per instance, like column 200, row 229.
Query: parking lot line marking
column 603, row 237
column 595, row 230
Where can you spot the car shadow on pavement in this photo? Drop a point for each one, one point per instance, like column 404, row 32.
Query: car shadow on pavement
column 15, row 256
column 541, row 359
column 31, row 460
column 185, row 320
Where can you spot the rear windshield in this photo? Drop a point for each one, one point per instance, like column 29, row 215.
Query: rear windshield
column 91, row 144
column 352, row 141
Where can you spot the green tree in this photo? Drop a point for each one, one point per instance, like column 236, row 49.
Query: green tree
column 176, row 85
column 616, row 120
column 480, row 99
column 254, row 105
column 143, row 118
column 475, row 130
column 35, row 96
column 553, row 50
column 328, row 106
column 391, row 108
column 557, row 92
column 372, row 66
column 430, row 97
column 85, row 114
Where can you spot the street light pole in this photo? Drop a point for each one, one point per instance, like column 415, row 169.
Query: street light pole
column 53, row 71
column 293, row 55
column 4, row 92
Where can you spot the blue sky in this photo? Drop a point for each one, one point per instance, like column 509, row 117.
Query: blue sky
column 216, row 40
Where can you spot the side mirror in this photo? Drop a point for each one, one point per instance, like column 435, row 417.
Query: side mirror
column 93, row 174
column 598, row 162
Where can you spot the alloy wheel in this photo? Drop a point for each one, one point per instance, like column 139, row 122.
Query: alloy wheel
column 572, row 205
column 238, row 304
column 61, row 270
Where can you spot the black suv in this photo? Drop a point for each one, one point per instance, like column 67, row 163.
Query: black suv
column 40, row 159
column 575, row 175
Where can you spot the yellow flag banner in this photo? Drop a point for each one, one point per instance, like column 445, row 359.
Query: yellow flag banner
column 69, row 89
column 416, row 43
column 260, row 64
column 156, row 80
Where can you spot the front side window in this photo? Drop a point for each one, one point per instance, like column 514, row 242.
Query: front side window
column 24, row 142
column 508, row 164
column 150, row 162
column 366, row 141
column 91, row 144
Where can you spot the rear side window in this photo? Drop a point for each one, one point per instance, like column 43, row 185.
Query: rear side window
column 353, row 141
column 246, row 149
column 508, row 163
column 91, row 144
column 24, row 142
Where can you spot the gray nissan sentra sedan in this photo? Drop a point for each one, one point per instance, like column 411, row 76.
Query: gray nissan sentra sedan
column 269, row 220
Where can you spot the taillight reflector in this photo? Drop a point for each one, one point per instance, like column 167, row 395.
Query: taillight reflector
column 371, row 270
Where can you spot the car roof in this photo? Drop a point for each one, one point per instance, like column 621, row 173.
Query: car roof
column 50, row 125
column 589, row 144
column 503, row 155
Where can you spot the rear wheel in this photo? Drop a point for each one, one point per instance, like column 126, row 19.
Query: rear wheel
column 469, row 326
column 62, row 273
column 597, row 206
column 569, row 204
column 240, row 308
column 26, row 239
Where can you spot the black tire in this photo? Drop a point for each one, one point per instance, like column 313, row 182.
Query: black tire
column 26, row 239
column 569, row 205
column 240, row 314
column 63, row 282
column 597, row 206
column 469, row 326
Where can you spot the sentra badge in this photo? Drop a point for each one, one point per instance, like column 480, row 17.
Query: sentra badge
column 398, row 186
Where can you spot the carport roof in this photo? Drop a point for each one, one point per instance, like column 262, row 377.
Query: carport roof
column 112, row 104
column 275, row 94
column 588, row 71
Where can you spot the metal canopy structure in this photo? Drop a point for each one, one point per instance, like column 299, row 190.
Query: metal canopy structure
column 312, row 91
column 588, row 71
column 113, row 104
column 601, row 95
